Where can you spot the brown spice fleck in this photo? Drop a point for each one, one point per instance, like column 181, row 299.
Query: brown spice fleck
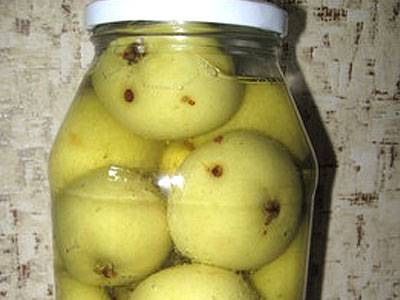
column 271, row 210
column 217, row 171
column 219, row 139
column 129, row 96
column 188, row 100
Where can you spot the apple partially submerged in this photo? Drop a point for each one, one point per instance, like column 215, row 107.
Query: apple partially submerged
column 193, row 282
column 239, row 203
column 267, row 108
column 111, row 228
column 91, row 138
column 284, row 278
column 71, row 289
column 167, row 87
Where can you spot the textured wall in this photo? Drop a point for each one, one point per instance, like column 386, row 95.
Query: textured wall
column 343, row 60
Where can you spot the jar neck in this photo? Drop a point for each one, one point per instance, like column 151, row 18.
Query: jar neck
column 237, row 40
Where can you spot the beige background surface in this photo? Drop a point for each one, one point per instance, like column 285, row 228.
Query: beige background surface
column 345, row 53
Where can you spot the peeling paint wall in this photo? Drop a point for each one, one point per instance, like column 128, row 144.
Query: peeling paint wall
column 343, row 61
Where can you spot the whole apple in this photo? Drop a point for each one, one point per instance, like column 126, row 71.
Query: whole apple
column 267, row 108
column 284, row 278
column 167, row 88
column 111, row 228
column 91, row 138
column 194, row 282
column 239, row 202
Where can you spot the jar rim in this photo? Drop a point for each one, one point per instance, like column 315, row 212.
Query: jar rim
column 250, row 13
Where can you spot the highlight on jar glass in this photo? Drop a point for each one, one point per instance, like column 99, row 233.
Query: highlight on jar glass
column 182, row 170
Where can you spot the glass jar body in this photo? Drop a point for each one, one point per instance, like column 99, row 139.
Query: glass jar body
column 182, row 164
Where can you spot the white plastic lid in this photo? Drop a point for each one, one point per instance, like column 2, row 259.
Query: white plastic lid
column 252, row 13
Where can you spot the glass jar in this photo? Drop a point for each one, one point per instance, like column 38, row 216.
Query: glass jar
column 182, row 170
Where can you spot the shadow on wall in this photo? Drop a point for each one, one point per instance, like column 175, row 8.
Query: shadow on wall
column 322, row 145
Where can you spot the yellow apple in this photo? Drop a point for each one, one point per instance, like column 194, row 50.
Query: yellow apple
column 238, row 203
column 267, row 108
column 193, row 282
column 167, row 88
column 91, row 138
column 174, row 155
column 111, row 228
column 284, row 278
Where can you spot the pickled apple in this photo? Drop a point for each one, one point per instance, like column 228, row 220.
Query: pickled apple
column 90, row 138
column 240, row 202
column 71, row 289
column 193, row 282
column 167, row 94
column 267, row 109
column 174, row 155
column 284, row 278
column 111, row 228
